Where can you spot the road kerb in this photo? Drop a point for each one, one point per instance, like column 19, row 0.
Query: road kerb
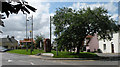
column 50, row 58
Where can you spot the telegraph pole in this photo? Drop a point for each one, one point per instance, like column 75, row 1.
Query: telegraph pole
column 32, row 32
column 26, row 25
column 32, row 35
column 50, row 30
column 26, row 32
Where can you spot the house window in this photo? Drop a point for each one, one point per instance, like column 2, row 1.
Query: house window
column 112, row 47
column 104, row 46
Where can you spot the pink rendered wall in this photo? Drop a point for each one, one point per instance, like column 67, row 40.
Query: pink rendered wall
column 94, row 43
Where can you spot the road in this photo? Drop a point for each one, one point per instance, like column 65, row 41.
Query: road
column 17, row 59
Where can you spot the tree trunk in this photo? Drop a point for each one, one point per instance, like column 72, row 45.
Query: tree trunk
column 80, row 45
column 78, row 49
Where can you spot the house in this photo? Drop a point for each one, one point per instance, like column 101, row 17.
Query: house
column 26, row 41
column 91, row 43
column 9, row 43
column 112, row 46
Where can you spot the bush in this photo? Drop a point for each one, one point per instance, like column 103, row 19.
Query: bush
column 99, row 51
column 88, row 50
column 19, row 47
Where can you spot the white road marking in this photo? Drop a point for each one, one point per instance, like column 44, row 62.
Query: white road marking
column 32, row 63
column 10, row 61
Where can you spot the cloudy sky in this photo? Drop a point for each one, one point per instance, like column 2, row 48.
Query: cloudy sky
column 15, row 24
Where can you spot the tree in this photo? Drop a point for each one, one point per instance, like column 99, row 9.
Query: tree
column 72, row 26
column 38, row 39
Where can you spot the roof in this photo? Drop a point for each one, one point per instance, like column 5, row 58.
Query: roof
column 8, row 40
column 89, row 36
column 26, row 40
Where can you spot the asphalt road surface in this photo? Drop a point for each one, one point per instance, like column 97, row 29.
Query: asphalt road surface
column 17, row 59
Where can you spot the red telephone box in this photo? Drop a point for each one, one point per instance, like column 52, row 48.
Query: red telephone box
column 47, row 45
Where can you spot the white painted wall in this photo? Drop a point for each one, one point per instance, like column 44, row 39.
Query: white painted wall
column 116, row 42
column 119, row 43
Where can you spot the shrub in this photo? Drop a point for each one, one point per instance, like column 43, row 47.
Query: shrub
column 88, row 50
column 99, row 51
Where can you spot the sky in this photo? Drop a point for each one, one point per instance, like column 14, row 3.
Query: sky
column 15, row 25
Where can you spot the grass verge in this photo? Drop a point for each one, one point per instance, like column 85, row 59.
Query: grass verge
column 62, row 54
column 23, row 51
column 74, row 55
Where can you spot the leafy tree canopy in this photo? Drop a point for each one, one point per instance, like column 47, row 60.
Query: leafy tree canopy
column 38, row 39
column 72, row 26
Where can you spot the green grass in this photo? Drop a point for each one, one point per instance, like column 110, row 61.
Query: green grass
column 23, row 51
column 63, row 54
column 74, row 55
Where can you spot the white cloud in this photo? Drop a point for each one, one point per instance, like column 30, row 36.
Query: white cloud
column 115, row 16
column 14, row 23
column 109, row 6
